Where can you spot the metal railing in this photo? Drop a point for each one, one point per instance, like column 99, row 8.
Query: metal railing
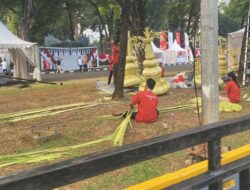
column 73, row 170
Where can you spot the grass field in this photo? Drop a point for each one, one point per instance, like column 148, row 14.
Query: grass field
column 81, row 126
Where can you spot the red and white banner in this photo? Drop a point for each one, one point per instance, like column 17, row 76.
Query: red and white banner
column 103, row 57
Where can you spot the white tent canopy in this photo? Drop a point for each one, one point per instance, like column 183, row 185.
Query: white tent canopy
column 176, row 47
column 159, row 54
column 176, row 54
column 21, row 52
column 156, row 49
column 234, row 46
column 237, row 34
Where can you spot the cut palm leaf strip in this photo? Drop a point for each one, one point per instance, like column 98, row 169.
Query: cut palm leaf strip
column 44, row 114
column 52, row 108
column 161, row 110
column 245, row 96
column 54, row 153
column 48, row 154
column 121, row 129
column 15, row 117
column 112, row 117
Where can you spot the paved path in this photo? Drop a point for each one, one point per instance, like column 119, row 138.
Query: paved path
column 91, row 74
column 95, row 74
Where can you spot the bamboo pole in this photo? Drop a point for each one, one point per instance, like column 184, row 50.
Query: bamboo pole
column 28, row 80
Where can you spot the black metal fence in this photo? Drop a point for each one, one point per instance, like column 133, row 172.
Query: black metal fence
column 73, row 170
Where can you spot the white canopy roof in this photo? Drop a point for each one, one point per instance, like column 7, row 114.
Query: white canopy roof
column 156, row 49
column 8, row 40
column 238, row 33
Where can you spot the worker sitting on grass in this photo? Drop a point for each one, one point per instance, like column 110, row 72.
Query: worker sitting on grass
column 147, row 104
column 232, row 89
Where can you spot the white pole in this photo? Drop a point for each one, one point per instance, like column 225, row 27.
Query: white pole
column 209, row 52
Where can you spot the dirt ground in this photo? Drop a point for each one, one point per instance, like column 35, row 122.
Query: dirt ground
column 80, row 126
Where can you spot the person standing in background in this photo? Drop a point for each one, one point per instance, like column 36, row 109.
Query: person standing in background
column 85, row 63
column 5, row 67
column 115, row 54
column 79, row 62
column 2, row 79
column 110, row 67
column 58, row 67
column 46, row 65
column 1, row 67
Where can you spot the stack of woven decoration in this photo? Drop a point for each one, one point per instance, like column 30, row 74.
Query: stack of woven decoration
column 152, row 68
column 132, row 77
column 198, row 73
column 223, row 65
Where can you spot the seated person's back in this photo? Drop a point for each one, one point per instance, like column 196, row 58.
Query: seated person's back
column 147, row 104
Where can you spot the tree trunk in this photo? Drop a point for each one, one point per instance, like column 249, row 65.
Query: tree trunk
column 190, row 16
column 138, row 19
column 28, row 19
column 101, row 39
column 195, row 25
column 71, row 24
column 110, row 26
column 118, row 93
column 100, row 18
column 182, row 31
column 137, row 27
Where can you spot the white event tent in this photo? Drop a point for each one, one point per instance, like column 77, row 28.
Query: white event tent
column 159, row 54
column 234, row 46
column 176, row 54
column 21, row 53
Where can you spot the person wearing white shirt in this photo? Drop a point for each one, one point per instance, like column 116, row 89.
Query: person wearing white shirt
column 2, row 80
column 1, row 68
column 4, row 66
column 79, row 62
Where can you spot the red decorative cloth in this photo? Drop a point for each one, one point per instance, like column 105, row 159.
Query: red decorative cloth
column 102, row 55
column 179, row 79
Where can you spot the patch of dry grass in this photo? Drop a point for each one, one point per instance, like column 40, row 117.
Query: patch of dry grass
column 83, row 125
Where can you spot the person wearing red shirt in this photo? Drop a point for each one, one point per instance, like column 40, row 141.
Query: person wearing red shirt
column 115, row 53
column 232, row 89
column 110, row 67
column 147, row 103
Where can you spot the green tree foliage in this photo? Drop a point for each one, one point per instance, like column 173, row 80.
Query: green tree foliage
column 183, row 15
column 63, row 18
column 227, row 25
column 232, row 16
column 156, row 17
column 237, row 10
column 66, row 19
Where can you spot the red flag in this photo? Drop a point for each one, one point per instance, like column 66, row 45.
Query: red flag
column 163, row 41
column 178, row 38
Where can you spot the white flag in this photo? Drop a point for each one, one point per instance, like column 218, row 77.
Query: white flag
column 170, row 39
column 186, row 41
